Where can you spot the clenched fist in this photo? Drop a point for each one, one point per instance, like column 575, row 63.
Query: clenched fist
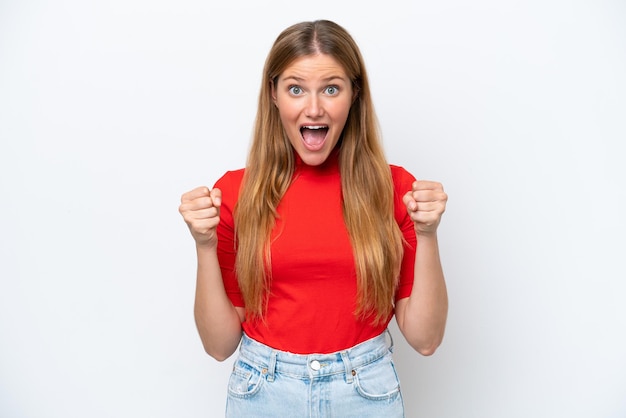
column 425, row 203
column 201, row 211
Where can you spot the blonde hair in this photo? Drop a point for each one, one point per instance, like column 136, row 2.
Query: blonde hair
column 375, row 236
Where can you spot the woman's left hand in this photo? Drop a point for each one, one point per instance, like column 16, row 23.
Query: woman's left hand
column 425, row 203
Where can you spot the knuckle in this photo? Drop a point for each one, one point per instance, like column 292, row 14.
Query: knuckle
column 206, row 202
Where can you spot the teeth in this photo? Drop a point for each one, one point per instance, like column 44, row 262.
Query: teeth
column 314, row 127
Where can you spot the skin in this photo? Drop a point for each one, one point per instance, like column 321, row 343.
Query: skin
column 422, row 316
column 315, row 91
column 217, row 320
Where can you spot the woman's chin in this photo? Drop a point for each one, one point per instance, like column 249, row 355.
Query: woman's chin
column 314, row 158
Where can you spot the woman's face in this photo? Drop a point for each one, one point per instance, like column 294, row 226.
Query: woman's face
column 313, row 96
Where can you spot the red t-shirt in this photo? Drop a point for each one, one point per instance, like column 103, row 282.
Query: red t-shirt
column 313, row 289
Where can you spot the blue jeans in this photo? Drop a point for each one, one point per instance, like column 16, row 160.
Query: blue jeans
column 357, row 382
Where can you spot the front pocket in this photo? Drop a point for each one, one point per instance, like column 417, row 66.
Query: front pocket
column 378, row 380
column 245, row 380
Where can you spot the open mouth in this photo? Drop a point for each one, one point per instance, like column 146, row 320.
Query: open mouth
column 314, row 135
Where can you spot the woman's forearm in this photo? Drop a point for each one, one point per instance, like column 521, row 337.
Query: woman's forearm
column 217, row 320
column 422, row 316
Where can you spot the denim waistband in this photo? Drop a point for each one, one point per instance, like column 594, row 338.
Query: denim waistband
column 271, row 361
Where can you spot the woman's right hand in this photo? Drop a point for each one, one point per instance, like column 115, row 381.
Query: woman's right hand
column 200, row 208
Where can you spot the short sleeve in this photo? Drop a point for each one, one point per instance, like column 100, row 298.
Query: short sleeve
column 229, row 184
column 403, row 183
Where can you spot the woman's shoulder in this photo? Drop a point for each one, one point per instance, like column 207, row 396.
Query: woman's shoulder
column 401, row 177
column 232, row 177
column 230, row 183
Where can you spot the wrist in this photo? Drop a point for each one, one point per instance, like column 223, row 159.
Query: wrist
column 423, row 236
column 206, row 248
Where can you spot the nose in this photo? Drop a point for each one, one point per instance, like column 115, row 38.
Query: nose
column 314, row 107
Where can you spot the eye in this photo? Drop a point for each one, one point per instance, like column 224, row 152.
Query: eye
column 332, row 90
column 295, row 90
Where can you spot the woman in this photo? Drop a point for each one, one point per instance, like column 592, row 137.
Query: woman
column 306, row 255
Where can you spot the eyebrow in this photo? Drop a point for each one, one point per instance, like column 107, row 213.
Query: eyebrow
column 327, row 79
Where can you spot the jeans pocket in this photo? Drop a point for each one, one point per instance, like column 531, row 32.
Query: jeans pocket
column 378, row 380
column 245, row 381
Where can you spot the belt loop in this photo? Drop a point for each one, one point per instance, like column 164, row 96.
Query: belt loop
column 348, row 365
column 271, row 367
column 390, row 340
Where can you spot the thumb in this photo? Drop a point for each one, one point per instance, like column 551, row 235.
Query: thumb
column 216, row 197
column 409, row 201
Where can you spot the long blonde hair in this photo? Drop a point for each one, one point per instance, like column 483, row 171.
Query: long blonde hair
column 375, row 236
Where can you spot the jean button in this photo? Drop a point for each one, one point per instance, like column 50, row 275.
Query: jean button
column 315, row 365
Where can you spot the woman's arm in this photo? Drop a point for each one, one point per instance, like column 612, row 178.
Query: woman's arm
column 217, row 320
column 422, row 316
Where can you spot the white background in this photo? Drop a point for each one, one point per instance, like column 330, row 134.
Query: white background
column 110, row 110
